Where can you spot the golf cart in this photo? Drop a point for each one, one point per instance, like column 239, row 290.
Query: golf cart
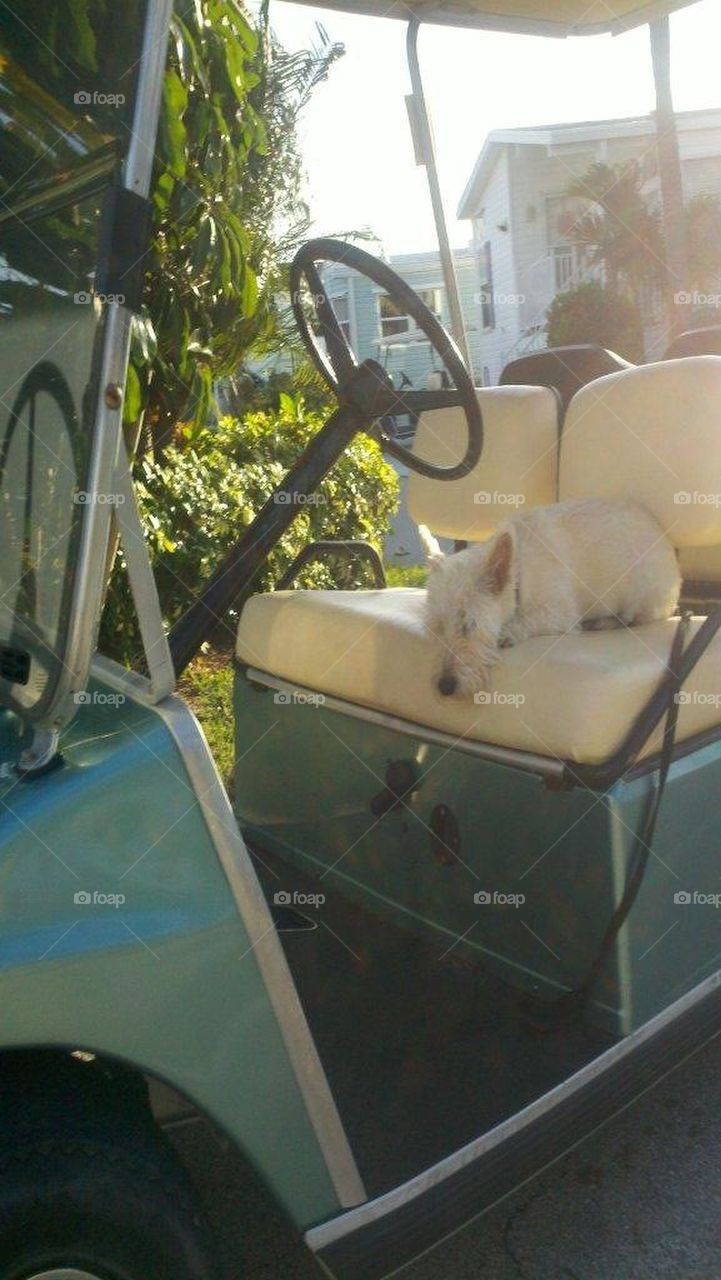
column 434, row 941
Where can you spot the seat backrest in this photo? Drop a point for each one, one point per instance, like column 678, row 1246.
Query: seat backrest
column 652, row 435
column 518, row 467
column 566, row 369
column 695, row 342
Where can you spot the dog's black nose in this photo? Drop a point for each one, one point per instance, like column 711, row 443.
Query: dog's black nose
column 447, row 685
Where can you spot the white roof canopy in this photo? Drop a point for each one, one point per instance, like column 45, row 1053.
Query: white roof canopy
column 535, row 17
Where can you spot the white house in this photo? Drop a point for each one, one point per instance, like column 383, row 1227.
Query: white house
column 516, row 200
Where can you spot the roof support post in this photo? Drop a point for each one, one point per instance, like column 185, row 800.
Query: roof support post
column 426, row 156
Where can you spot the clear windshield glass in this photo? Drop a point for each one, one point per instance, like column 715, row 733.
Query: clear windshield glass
column 65, row 108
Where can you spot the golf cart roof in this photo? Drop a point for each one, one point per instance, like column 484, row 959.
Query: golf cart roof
column 535, row 17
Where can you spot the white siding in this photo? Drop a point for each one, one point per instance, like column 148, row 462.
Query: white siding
column 493, row 343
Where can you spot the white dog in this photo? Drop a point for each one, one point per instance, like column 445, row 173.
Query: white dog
column 582, row 564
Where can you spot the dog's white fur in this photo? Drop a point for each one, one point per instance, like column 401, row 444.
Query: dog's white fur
column 587, row 564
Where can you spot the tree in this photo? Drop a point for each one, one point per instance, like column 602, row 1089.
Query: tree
column 702, row 226
column 595, row 313
column 227, row 207
column 622, row 232
column 619, row 231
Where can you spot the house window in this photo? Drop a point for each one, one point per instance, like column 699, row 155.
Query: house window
column 394, row 320
column 565, row 266
column 341, row 309
column 488, row 308
column 570, row 260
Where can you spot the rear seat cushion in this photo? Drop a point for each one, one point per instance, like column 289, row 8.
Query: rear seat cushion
column 571, row 697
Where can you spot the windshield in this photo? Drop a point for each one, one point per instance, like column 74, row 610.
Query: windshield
column 65, row 109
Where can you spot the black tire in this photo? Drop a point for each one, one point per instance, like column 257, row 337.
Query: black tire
column 106, row 1196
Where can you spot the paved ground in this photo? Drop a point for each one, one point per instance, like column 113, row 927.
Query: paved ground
column 641, row 1200
column 403, row 546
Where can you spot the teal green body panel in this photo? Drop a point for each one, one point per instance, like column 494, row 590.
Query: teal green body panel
column 166, row 978
column 567, row 852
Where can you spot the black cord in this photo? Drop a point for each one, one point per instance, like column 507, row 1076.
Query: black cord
column 550, row 1015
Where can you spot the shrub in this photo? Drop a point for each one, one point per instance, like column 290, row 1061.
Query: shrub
column 196, row 503
column 594, row 313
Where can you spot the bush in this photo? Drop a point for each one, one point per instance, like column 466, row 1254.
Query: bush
column 196, row 503
column 593, row 313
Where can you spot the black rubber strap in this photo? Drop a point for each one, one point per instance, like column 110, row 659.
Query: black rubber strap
column 125, row 231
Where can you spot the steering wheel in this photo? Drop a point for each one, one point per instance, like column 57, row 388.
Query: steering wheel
column 340, row 369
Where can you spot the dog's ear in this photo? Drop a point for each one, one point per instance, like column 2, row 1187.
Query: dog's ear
column 432, row 550
column 497, row 565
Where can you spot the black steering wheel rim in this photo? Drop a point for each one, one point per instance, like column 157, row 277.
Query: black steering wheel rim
column 337, row 364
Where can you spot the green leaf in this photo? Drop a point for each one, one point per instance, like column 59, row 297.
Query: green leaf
column 82, row 36
column 133, row 402
column 172, row 127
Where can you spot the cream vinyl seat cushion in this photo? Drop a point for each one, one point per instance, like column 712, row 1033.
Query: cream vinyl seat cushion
column 572, row 697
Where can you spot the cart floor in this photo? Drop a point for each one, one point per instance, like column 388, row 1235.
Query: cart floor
column 420, row 1048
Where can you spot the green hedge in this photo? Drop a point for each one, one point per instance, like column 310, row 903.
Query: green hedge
column 195, row 505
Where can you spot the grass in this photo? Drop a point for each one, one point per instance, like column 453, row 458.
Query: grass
column 406, row 575
column 207, row 684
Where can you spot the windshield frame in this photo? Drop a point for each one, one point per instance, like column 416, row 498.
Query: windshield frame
column 104, row 425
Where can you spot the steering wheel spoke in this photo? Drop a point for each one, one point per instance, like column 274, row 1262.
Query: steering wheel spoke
column 337, row 363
